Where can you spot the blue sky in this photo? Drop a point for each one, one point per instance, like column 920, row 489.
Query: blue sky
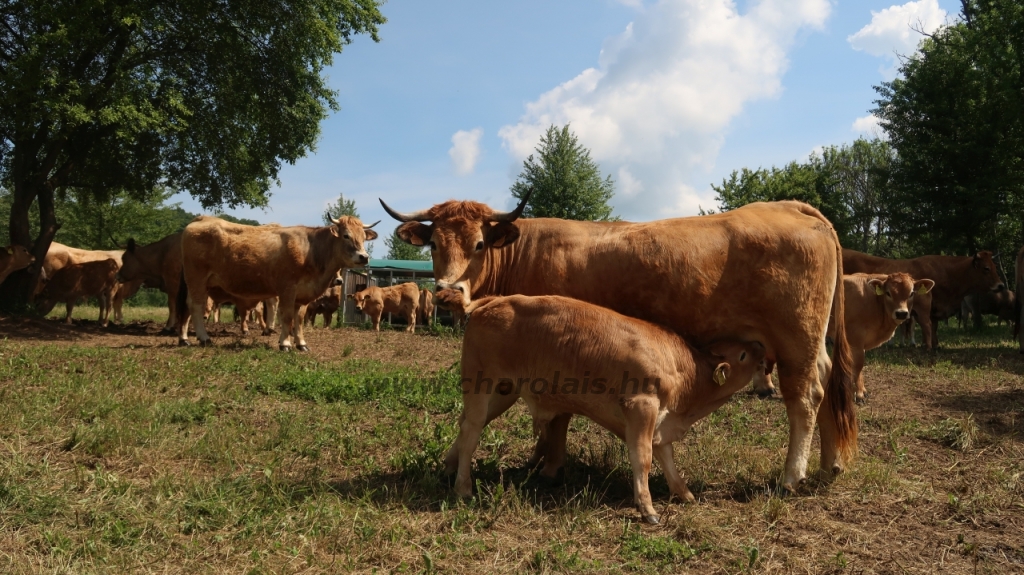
column 670, row 96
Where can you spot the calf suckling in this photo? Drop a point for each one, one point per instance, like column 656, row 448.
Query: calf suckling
column 563, row 357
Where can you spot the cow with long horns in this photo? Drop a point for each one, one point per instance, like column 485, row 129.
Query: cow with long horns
column 248, row 264
column 768, row 272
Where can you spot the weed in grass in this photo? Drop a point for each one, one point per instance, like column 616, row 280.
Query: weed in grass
column 641, row 551
column 959, row 433
column 347, row 350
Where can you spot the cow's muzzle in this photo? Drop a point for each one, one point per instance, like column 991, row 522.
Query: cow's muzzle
column 900, row 314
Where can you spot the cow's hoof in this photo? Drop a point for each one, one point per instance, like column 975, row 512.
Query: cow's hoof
column 205, row 343
column 245, row 332
column 766, row 393
column 285, row 348
column 652, row 519
column 183, row 343
column 302, row 347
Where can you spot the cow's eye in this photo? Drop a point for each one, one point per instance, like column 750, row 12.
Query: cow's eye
column 348, row 237
column 743, row 356
column 888, row 294
column 479, row 245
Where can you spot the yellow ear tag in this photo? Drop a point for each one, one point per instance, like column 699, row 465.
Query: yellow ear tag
column 720, row 376
column 10, row 250
column 878, row 290
column 921, row 290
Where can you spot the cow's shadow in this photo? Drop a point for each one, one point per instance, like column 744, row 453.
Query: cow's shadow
column 997, row 413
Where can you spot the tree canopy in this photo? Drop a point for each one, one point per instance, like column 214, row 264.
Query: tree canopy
column 566, row 182
column 205, row 97
column 341, row 207
column 398, row 249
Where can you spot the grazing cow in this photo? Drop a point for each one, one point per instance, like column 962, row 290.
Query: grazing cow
column 564, row 356
column 14, row 258
column 159, row 265
column 876, row 305
column 768, row 272
column 73, row 282
column 59, row 255
column 1001, row 304
column 954, row 277
column 249, row 264
column 399, row 299
column 426, row 306
column 328, row 303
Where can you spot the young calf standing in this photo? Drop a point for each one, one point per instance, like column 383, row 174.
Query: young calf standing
column 564, row 356
column 375, row 301
column 876, row 304
column 76, row 281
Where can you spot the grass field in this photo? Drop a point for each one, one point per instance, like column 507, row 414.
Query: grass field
column 120, row 452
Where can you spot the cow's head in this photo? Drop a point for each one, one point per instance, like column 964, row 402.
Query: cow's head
column 351, row 234
column 131, row 266
column 459, row 234
column 897, row 291
column 19, row 257
column 734, row 362
column 364, row 299
column 984, row 274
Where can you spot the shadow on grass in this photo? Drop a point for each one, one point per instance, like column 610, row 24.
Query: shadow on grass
column 997, row 413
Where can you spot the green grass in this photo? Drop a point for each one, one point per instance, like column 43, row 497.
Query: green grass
column 245, row 459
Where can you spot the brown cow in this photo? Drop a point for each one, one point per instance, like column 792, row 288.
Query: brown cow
column 768, row 272
column 564, row 356
column 1001, row 304
column 159, row 265
column 426, row 306
column 252, row 263
column 75, row 281
column 399, row 299
column 59, row 255
column 328, row 303
column 14, row 258
column 954, row 277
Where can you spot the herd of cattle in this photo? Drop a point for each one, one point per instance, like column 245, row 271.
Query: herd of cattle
column 643, row 327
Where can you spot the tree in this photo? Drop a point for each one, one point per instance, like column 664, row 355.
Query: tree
column 115, row 98
column 398, row 249
column 342, row 207
column 955, row 119
column 234, row 220
column 566, row 182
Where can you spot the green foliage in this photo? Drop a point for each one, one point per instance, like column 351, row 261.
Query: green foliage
column 848, row 183
column 234, row 220
column 342, row 207
column 566, row 182
column 955, row 117
column 399, row 250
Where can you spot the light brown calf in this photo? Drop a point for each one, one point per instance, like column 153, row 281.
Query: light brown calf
column 400, row 299
column 564, row 356
column 326, row 304
column 75, row 281
column 12, row 259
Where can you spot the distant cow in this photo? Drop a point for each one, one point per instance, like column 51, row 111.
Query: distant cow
column 76, row 281
column 264, row 314
column 14, row 258
column 252, row 263
column 426, row 307
column 328, row 303
column 954, row 277
column 401, row 299
column 975, row 305
column 564, row 356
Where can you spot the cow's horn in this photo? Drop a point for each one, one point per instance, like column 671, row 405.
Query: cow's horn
column 514, row 214
column 420, row 216
column 371, row 225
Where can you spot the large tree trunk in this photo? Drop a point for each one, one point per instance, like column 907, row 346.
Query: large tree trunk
column 16, row 293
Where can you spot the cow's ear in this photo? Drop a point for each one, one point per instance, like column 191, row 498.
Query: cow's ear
column 370, row 234
column 502, row 234
column 130, row 248
column 877, row 284
column 10, row 251
column 722, row 373
column 415, row 233
column 922, row 287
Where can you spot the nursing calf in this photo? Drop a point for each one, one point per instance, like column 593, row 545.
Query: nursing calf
column 564, row 356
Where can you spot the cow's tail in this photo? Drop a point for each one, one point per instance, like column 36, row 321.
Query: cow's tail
column 839, row 389
column 182, row 302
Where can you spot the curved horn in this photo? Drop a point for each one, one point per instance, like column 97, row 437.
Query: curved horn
column 420, row 216
column 514, row 214
column 371, row 225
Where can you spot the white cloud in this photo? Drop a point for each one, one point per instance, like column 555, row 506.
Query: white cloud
column 868, row 126
column 896, row 31
column 465, row 150
column 665, row 91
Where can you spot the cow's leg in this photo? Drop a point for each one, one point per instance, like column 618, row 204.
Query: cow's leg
column 641, row 416
column 676, row 484
column 244, row 313
column 198, row 306
column 554, row 446
column 106, row 302
column 69, row 307
column 270, row 308
column 328, row 316
column 300, row 339
column 410, row 320
column 117, row 303
column 376, row 322
column 471, row 424
column 287, row 309
column 858, row 374
column 913, row 334
column 496, row 405
column 762, row 381
column 802, row 391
